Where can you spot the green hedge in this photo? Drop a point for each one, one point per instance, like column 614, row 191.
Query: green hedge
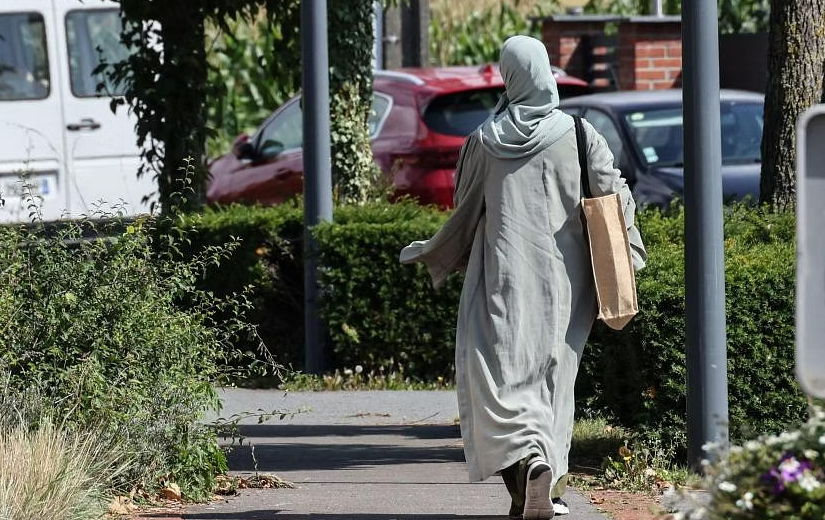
column 269, row 261
column 381, row 314
column 266, row 266
column 639, row 374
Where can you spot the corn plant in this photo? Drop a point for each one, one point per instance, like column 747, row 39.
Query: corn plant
column 475, row 37
column 254, row 82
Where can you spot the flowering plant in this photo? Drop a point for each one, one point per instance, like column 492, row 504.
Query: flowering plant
column 772, row 477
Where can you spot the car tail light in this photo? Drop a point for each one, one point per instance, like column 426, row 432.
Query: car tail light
column 426, row 174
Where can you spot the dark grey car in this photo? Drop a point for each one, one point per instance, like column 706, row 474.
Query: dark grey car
column 644, row 132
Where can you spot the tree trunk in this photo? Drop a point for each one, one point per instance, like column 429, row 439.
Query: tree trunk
column 354, row 173
column 166, row 89
column 796, row 54
column 183, row 79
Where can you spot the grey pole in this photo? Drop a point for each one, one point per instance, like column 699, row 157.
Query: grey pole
column 378, row 34
column 707, row 382
column 658, row 8
column 317, row 167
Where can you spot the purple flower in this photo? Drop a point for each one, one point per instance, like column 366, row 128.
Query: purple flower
column 789, row 470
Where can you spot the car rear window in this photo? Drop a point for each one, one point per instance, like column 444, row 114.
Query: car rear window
column 566, row 91
column 460, row 113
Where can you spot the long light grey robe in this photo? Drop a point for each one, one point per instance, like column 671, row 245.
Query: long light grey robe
column 528, row 302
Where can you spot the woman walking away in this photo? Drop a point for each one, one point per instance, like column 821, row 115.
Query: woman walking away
column 528, row 300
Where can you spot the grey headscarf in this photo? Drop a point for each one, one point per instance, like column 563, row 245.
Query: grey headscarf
column 527, row 118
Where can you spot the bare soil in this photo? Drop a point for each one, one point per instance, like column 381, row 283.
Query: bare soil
column 620, row 505
column 627, row 505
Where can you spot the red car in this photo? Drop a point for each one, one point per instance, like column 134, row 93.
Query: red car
column 418, row 123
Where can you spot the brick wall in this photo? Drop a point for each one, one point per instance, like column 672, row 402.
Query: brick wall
column 650, row 53
column 636, row 53
column 565, row 38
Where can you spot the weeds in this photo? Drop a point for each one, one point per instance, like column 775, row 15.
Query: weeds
column 357, row 379
column 648, row 467
column 596, row 436
column 615, row 458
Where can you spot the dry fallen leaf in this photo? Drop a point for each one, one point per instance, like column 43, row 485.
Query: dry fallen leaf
column 122, row 506
column 171, row 492
column 266, row 482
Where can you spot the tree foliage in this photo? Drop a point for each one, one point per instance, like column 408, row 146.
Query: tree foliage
column 743, row 16
column 796, row 52
column 735, row 16
column 165, row 80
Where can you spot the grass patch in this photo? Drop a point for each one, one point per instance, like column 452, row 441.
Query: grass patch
column 595, row 438
column 50, row 472
column 359, row 379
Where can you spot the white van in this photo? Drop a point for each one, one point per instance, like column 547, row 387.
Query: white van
column 55, row 127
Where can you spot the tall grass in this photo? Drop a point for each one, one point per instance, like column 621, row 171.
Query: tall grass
column 249, row 80
column 49, row 472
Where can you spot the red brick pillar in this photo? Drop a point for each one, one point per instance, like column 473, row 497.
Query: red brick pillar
column 650, row 53
column 563, row 36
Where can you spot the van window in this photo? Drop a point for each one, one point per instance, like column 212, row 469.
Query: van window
column 24, row 66
column 93, row 36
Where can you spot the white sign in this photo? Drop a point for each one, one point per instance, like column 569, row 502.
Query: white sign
column 810, row 236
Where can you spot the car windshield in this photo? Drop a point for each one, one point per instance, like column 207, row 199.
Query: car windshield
column 658, row 133
column 460, row 113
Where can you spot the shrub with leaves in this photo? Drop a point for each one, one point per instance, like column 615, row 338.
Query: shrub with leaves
column 639, row 374
column 267, row 266
column 772, row 477
column 117, row 335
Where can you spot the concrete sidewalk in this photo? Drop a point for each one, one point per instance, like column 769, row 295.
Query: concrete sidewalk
column 360, row 456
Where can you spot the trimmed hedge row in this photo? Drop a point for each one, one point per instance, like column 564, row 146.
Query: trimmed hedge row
column 381, row 314
column 639, row 374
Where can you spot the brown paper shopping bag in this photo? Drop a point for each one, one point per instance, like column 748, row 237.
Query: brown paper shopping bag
column 610, row 255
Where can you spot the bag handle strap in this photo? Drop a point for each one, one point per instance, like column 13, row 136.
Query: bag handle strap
column 581, row 144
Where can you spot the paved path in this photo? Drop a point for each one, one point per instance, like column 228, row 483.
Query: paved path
column 360, row 456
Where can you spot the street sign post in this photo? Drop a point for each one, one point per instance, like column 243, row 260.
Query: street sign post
column 810, row 272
